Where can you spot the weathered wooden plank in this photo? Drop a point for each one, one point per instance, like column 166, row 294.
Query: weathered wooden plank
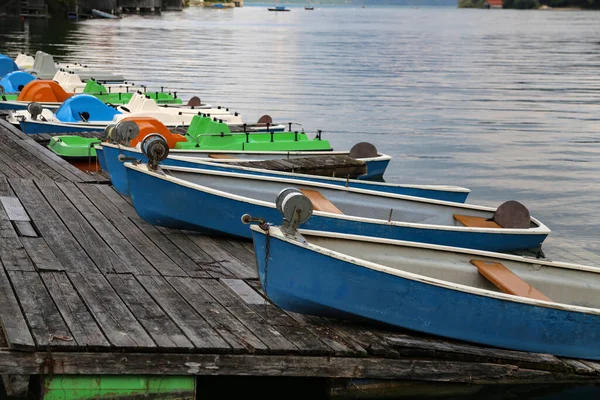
column 3, row 341
column 10, row 167
column 7, row 171
column 107, row 246
column 101, row 254
column 189, row 321
column 237, row 268
column 133, row 261
column 158, row 324
column 25, row 229
column 265, row 365
column 74, row 312
column 219, row 318
column 592, row 364
column 202, row 262
column 242, row 289
column 157, row 258
column 342, row 343
column 326, row 165
column 10, row 131
column 368, row 340
column 53, row 161
column 12, row 253
column 414, row 345
column 5, row 189
column 246, row 268
column 112, row 315
column 579, row 367
column 158, row 236
column 57, row 236
column 184, row 240
column 45, row 322
column 24, row 169
column 30, row 160
column 14, row 209
column 16, row 386
column 265, row 318
column 12, row 320
column 42, row 256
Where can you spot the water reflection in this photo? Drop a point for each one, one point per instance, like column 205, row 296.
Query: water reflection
column 505, row 103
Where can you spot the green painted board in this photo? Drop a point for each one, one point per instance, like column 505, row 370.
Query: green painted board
column 79, row 387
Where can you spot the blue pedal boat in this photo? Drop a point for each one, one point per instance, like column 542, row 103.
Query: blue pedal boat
column 79, row 113
column 118, row 175
column 543, row 306
column 15, row 81
column 7, row 65
column 213, row 202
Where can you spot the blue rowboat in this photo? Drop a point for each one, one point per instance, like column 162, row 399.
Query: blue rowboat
column 436, row 290
column 100, row 157
column 212, row 201
column 375, row 165
column 119, row 179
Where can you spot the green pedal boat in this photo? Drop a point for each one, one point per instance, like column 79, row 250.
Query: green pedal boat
column 73, row 148
column 208, row 134
column 51, row 95
column 204, row 134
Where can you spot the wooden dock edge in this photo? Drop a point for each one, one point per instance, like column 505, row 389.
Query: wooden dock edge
column 88, row 363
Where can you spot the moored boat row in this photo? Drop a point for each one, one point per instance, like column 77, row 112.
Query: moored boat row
column 329, row 239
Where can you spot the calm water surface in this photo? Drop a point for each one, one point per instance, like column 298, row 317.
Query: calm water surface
column 506, row 103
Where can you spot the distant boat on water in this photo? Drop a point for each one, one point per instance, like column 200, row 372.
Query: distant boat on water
column 278, row 7
column 102, row 14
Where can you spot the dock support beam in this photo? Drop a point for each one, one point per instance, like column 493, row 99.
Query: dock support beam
column 16, row 386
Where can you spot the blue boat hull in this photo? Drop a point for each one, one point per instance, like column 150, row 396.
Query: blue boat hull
column 35, row 127
column 11, row 106
column 100, row 158
column 166, row 203
column 375, row 170
column 300, row 280
column 118, row 176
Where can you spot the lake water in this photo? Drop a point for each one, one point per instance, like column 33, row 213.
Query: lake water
column 506, row 103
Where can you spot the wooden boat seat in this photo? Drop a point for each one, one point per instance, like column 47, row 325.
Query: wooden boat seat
column 320, row 202
column 506, row 280
column 475, row 222
column 222, row 156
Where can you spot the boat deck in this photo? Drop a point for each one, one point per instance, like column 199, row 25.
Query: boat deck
column 87, row 287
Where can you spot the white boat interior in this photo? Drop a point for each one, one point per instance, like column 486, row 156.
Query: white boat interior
column 44, row 67
column 143, row 104
column 72, row 82
column 24, row 61
column 348, row 202
column 22, row 115
column 527, row 277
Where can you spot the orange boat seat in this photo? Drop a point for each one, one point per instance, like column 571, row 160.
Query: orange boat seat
column 507, row 281
column 320, row 202
column 475, row 222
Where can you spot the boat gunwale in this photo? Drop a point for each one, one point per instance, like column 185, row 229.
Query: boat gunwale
column 540, row 229
column 379, row 157
column 457, row 189
column 275, row 231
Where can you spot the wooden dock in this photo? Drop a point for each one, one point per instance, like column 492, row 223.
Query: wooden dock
column 87, row 287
